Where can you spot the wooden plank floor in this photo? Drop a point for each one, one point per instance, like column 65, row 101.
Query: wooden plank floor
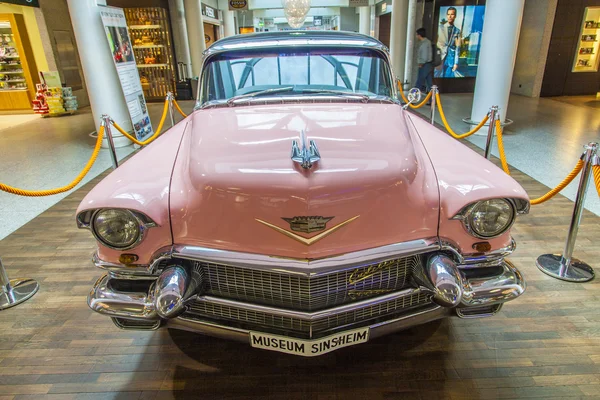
column 545, row 345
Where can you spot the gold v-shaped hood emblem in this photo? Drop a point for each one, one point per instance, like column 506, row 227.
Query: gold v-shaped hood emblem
column 311, row 240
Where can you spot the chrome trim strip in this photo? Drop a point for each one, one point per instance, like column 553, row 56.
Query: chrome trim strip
column 318, row 315
column 493, row 258
column 308, row 268
column 294, row 99
column 133, row 271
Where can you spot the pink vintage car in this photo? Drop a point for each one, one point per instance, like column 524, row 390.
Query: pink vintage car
column 300, row 208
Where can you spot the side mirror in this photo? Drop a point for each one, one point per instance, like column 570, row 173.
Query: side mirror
column 414, row 96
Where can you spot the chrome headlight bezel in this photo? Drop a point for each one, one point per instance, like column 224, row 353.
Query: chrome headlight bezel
column 466, row 215
column 86, row 220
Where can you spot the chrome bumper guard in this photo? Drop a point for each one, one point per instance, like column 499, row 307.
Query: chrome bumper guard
column 451, row 289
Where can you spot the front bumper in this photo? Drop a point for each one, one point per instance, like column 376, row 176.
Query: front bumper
column 479, row 296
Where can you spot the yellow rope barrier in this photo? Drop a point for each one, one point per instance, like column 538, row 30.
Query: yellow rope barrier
column 184, row 115
column 82, row 174
column 421, row 104
column 452, row 133
column 156, row 133
column 596, row 172
column 501, row 147
column 560, row 186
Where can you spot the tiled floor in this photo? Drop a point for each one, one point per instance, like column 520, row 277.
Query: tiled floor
column 43, row 153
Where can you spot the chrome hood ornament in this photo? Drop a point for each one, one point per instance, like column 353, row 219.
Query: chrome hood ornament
column 307, row 156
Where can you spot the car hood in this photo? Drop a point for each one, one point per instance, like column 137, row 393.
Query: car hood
column 235, row 186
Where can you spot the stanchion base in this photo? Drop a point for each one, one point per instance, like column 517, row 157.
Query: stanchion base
column 577, row 271
column 22, row 290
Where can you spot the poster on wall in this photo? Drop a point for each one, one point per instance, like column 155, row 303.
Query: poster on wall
column 459, row 40
column 117, row 34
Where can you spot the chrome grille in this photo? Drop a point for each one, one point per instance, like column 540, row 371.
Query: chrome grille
column 252, row 319
column 299, row 292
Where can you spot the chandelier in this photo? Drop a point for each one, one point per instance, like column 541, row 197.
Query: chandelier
column 295, row 11
column 296, row 22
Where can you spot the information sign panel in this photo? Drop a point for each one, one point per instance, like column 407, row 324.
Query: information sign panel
column 117, row 34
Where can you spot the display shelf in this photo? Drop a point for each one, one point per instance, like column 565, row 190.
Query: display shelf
column 150, row 32
column 148, row 46
column 17, row 64
column 145, row 27
column 586, row 58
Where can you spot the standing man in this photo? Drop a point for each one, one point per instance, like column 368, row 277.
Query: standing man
column 425, row 61
column 449, row 42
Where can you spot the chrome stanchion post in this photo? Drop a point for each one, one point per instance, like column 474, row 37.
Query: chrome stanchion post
column 170, row 99
column 434, row 91
column 106, row 121
column 15, row 291
column 491, row 131
column 565, row 266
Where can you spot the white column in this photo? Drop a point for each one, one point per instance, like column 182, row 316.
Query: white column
column 500, row 38
column 195, row 29
column 100, row 74
column 364, row 20
column 398, row 36
column 410, row 40
column 229, row 23
column 180, row 34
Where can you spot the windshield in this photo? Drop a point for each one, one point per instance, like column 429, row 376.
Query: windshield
column 239, row 76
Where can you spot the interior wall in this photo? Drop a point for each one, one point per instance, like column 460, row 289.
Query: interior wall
column 532, row 52
column 57, row 18
column 349, row 19
column 32, row 31
column 559, row 80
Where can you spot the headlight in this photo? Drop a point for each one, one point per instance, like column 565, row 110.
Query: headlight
column 489, row 218
column 117, row 229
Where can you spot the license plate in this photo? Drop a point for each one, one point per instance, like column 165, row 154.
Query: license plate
column 308, row 348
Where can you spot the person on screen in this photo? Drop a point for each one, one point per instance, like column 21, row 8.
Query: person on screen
column 425, row 61
column 449, row 44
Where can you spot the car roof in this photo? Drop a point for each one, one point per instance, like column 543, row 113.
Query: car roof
column 295, row 38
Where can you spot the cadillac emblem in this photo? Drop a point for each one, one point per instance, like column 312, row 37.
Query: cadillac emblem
column 308, row 224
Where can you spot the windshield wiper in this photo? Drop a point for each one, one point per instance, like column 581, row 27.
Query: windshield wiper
column 364, row 98
column 259, row 93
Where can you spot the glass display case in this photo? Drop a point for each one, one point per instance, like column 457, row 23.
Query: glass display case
column 150, row 33
column 12, row 75
column 586, row 58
